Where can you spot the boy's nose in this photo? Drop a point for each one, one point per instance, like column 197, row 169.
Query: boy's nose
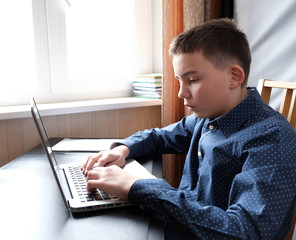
column 183, row 93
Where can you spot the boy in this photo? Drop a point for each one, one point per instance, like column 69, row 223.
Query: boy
column 239, row 176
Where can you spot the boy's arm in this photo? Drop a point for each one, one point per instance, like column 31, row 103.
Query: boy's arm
column 186, row 216
column 171, row 139
column 261, row 198
column 174, row 138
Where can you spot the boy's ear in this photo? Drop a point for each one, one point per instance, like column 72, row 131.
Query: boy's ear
column 237, row 76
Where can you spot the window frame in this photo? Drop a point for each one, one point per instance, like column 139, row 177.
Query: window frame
column 50, row 37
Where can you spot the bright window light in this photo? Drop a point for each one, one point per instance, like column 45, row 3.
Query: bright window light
column 100, row 43
column 17, row 58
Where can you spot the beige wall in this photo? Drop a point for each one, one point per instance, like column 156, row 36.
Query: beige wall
column 20, row 135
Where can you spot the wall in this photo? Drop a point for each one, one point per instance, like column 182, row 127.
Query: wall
column 20, row 135
column 270, row 28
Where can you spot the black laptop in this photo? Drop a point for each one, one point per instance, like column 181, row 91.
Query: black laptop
column 72, row 182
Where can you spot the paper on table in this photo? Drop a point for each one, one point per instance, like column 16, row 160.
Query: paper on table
column 84, row 145
column 136, row 169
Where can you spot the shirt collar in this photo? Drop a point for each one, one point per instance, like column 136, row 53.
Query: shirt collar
column 231, row 121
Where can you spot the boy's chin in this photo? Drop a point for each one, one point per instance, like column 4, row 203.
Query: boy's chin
column 200, row 115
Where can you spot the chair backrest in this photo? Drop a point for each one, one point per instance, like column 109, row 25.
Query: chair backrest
column 287, row 108
column 288, row 103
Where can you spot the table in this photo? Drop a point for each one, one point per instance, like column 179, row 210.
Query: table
column 31, row 206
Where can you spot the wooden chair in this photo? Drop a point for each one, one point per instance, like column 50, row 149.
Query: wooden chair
column 288, row 103
column 287, row 108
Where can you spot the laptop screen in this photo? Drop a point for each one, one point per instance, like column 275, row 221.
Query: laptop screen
column 43, row 134
column 57, row 171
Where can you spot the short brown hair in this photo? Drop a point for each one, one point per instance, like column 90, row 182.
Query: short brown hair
column 220, row 41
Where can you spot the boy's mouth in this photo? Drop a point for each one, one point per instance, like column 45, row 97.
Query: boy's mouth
column 190, row 108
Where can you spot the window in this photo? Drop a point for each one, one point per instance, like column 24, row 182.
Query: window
column 60, row 50
column 95, row 42
column 17, row 58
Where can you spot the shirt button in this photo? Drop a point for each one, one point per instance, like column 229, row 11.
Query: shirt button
column 211, row 127
column 199, row 154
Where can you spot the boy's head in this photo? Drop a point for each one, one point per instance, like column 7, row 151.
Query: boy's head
column 220, row 42
column 211, row 63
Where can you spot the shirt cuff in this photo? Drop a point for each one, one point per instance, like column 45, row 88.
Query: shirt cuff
column 147, row 191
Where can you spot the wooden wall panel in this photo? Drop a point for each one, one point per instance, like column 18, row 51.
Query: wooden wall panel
column 20, row 135
column 62, row 125
column 101, row 128
column 3, row 141
column 14, row 131
column 128, row 121
column 30, row 134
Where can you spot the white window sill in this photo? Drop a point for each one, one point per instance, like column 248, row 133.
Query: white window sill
column 14, row 112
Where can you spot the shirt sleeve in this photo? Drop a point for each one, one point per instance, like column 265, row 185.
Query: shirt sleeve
column 180, row 211
column 181, row 214
column 174, row 138
column 261, row 198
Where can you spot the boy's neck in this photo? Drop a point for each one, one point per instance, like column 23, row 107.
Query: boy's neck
column 238, row 96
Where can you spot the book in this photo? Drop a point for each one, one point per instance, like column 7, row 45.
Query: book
column 150, row 76
column 148, row 86
column 142, row 94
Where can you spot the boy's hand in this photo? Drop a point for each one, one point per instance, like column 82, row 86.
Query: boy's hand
column 113, row 180
column 116, row 156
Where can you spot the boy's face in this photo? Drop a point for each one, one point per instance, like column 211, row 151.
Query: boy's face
column 204, row 88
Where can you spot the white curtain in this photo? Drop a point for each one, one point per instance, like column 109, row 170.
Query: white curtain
column 271, row 31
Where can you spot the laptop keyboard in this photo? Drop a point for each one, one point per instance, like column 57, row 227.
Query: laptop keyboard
column 79, row 179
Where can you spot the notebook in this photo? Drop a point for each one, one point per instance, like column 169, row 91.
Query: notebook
column 84, row 145
column 72, row 182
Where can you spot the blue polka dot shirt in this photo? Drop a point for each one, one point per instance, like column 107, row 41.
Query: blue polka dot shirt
column 239, row 178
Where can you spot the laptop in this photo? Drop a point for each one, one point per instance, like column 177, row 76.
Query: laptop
column 72, row 182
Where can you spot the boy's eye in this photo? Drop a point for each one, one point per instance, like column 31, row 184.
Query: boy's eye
column 193, row 80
